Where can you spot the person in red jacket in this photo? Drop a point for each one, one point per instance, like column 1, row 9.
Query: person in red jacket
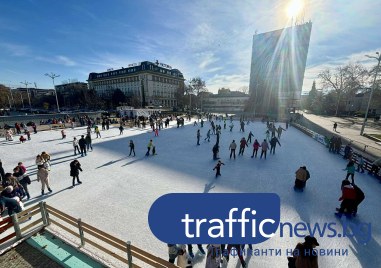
column 256, row 146
column 347, row 198
column 242, row 145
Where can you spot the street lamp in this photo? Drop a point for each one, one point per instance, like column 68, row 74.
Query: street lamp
column 27, row 92
column 52, row 76
column 378, row 58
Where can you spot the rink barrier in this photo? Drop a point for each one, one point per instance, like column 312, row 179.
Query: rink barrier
column 367, row 162
column 24, row 227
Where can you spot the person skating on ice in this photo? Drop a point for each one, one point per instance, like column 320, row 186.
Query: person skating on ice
column 208, row 136
column 360, row 164
column 231, row 127
column 82, row 145
column 43, row 176
column 242, row 145
column 348, row 198
column 249, row 137
column 264, row 146
column 274, row 140
column 198, row 136
column 75, row 146
column 215, row 151
column 350, row 171
column 280, row 130
column 232, row 148
column 149, row 146
column 75, row 167
column 256, row 146
column 132, row 147
column 217, row 168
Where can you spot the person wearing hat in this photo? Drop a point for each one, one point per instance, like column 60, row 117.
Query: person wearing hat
column 303, row 256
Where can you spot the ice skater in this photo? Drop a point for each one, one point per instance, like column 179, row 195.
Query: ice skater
column 217, row 168
column 82, row 145
column 274, row 140
column 208, row 136
column 76, row 147
column 242, row 145
column 256, row 146
column 350, row 171
column 43, row 176
column 232, row 148
column 198, row 136
column 132, row 147
column 149, row 146
column 264, row 146
column 249, row 137
column 280, row 130
column 75, row 167
column 89, row 142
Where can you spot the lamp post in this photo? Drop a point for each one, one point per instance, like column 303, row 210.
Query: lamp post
column 52, row 76
column 378, row 58
column 27, row 92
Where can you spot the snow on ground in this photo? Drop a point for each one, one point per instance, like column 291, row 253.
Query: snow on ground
column 117, row 190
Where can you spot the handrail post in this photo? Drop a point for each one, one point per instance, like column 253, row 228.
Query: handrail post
column 43, row 214
column 81, row 234
column 16, row 226
column 129, row 255
column 46, row 214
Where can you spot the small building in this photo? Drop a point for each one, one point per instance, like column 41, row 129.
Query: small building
column 71, row 88
column 225, row 101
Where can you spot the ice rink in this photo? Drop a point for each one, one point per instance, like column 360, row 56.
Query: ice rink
column 117, row 191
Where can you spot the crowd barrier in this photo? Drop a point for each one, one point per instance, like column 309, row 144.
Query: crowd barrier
column 322, row 139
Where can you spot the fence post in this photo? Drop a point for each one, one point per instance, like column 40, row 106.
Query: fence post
column 129, row 255
column 43, row 214
column 16, row 226
column 81, row 235
column 46, row 213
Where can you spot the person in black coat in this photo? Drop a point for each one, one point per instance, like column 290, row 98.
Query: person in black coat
column 273, row 143
column 82, row 145
column 75, row 167
column 132, row 147
column 360, row 196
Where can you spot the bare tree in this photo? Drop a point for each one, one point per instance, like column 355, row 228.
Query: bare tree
column 244, row 89
column 346, row 81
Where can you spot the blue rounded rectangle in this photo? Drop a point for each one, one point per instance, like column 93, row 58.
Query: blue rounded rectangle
column 190, row 218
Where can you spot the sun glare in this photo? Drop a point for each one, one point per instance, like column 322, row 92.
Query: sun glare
column 294, row 8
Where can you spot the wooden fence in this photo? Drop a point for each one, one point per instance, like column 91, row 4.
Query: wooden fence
column 87, row 234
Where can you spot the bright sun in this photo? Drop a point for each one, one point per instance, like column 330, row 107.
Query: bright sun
column 294, row 8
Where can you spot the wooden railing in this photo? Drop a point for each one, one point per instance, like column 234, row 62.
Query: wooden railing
column 86, row 233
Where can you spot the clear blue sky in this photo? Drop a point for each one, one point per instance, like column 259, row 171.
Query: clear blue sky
column 211, row 39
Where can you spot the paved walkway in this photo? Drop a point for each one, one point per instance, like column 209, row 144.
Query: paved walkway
column 350, row 128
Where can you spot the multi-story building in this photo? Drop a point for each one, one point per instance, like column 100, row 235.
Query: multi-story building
column 70, row 88
column 225, row 101
column 277, row 69
column 156, row 84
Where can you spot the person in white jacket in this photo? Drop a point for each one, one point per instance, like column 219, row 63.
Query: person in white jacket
column 76, row 147
column 213, row 257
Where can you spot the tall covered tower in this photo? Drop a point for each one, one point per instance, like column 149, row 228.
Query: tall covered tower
column 277, row 70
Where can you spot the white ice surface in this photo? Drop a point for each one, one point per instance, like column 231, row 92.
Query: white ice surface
column 118, row 190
